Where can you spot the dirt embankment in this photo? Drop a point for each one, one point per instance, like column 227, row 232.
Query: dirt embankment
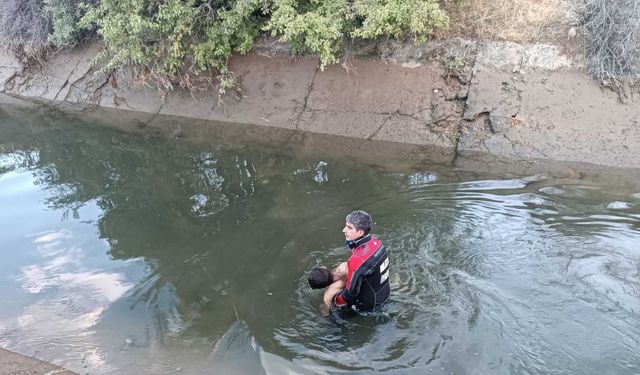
column 465, row 97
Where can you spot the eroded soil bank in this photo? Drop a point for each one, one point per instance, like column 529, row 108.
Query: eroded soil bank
column 465, row 98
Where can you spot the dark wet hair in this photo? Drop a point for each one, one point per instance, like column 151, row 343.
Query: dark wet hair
column 361, row 220
column 320, row 278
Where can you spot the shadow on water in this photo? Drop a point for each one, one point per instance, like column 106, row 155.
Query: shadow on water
column 236, row 352
column 163, row 254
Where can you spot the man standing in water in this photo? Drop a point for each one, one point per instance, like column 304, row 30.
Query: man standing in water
column 362, row 282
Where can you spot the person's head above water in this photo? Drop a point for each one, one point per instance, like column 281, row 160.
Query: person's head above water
column 358, row 224
column 319, row 278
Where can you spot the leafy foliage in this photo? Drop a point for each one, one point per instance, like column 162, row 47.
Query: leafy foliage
column 320, row 27
column 314, row 26
column 172, row 39
column 175, row 40
column 398, row 18
column 63, row 16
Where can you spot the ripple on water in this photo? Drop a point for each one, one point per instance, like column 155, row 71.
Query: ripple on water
column 493, row 185
column 618, row 205
column 513, row 275
column 204, row 205
column 422, row 178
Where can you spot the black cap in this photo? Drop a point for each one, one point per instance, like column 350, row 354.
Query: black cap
column 320, row 278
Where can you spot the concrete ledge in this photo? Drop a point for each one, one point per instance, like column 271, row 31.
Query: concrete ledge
column 12, row 363
column 505, row 100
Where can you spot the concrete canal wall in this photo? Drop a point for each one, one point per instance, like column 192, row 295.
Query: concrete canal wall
column 468, row 98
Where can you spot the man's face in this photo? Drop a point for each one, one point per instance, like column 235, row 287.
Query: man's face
column 351, row 233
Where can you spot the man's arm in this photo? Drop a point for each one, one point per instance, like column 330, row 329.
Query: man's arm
column 348, row 295
column 339, row 275
column 333, row 290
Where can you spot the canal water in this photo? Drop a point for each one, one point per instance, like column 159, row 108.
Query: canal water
column 136, row 252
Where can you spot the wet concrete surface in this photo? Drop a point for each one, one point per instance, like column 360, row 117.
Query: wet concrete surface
column 12, row 363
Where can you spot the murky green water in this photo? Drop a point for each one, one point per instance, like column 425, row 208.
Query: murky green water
column 128, row 254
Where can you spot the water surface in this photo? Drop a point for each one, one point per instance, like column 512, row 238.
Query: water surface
column 137, row 253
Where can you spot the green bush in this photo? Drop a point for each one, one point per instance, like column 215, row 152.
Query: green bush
column 63, row 16
column 317, row 27
column 398, row 18
column 173, row 40
column 320, row 27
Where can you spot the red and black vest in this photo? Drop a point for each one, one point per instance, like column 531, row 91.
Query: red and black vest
column 368, row 276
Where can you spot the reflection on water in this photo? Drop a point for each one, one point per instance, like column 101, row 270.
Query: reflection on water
column 143, row 254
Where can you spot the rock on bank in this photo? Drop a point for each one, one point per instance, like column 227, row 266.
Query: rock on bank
column 464, row 98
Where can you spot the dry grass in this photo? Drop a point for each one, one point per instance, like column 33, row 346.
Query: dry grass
column 24, row 27
column 527, row 21
column 613, row 42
